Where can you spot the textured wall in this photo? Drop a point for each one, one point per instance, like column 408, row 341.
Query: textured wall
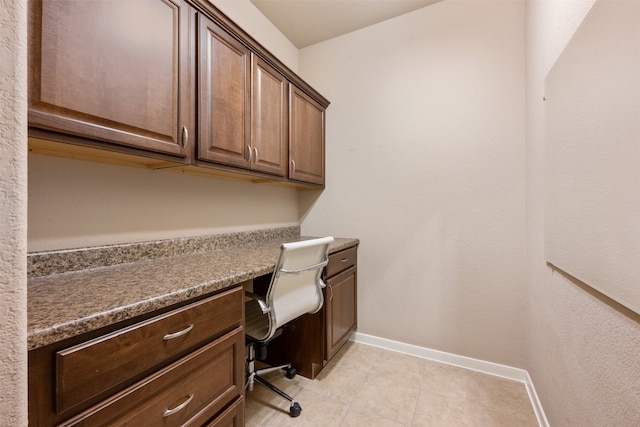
column 426, row 166
column 583, row 348
column 13, row 207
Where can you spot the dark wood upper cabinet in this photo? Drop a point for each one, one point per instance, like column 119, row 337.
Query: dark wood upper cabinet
column 172, row 82
column 269, row 133
column 112, row 71
column 306, row 137
column 224, row 96
column 242, row 104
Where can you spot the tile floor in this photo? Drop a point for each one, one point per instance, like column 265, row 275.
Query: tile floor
column 368, row 386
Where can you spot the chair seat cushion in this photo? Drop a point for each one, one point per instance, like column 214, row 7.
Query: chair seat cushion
column 256, row 323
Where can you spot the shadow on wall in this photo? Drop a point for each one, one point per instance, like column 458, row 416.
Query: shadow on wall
column 306, row 200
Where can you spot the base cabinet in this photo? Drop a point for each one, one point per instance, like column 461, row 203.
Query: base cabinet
column 180, row 368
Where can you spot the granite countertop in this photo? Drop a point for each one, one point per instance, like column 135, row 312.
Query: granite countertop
column 65, row 304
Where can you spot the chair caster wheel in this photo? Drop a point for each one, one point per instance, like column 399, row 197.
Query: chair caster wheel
column 295, row 410
column 291, row 373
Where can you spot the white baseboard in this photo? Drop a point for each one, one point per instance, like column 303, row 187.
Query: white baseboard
column 483, row 366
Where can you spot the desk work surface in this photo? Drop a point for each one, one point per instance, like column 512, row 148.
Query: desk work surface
column 67, row 304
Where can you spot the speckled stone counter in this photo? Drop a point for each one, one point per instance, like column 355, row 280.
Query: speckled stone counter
column 73, row 292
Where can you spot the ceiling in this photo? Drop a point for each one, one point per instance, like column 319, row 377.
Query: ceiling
column 306, row 22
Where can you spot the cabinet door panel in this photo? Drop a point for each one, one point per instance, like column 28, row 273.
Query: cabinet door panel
column 306, row 138
column 224, row 90
column 231, row 417
column 341, row 310
column 111, row 71
column 268, row 118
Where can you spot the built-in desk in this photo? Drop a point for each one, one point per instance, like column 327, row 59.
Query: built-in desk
column 94, row 315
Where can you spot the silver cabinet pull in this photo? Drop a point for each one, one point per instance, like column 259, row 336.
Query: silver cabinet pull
column 250, row 152
column 178, row 334
column 344, row 260
column 185, row 136
column 331, row 289
column 293, row 166
column 179, row 407
column 255, row 160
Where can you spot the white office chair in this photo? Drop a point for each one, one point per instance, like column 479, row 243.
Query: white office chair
column 295, row 289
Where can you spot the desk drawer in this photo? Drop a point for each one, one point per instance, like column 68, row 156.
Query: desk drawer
column 100, row 365
column 340, row 261
column 188, row 392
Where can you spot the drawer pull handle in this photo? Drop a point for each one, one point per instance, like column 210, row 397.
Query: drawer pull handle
column 344, row 260
column 178, row 334
column 179, row 407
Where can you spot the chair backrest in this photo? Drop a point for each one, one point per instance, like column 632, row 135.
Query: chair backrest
column 296, row 284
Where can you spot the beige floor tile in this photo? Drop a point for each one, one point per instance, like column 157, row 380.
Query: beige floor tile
column 317, row 410
column 506, row 419
column 397, row 368
column 359, row 418
column 506, row 396
column 356, row 356
column 434, row 410
column 339, row 381
column 387, row 399
column 368, row 386
column 262, row 404
column 450, row 381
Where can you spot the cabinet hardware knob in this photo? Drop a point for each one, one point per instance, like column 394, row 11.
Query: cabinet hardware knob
column 293, row 166
column 255, row 159
column 179, row 407
column 250, row 152
column 185, row 136
column 344, row 260
column 178, row 334
column 331, row 289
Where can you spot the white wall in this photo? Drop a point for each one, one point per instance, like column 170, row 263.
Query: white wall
column 13, row 220
column 583, row 348
column 77, row 203
column 426, row 165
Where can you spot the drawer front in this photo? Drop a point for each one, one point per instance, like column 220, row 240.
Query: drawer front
column 89, row 369
column 340, row 261
column 231, row 417
column 187, row 392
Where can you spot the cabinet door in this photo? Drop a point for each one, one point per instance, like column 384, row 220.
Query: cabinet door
column 341, row 310
column 112, row 71
column 306, row 138
column 268, row 118
column 224, row 91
